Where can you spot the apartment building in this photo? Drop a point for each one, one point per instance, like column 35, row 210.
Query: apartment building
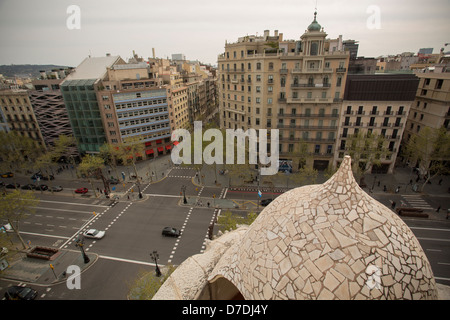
column 134, row 105
column 431, row 107
column 377, row 104
column 19, row 116
column 296, row 86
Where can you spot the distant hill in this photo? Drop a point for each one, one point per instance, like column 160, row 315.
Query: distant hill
column 26, row 70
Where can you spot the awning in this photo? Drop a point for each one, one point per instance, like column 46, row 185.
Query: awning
column 158, row 141
column 175, row 143
column 160, row 149
column 168, row 147
column 148, row 143
column 149, row 151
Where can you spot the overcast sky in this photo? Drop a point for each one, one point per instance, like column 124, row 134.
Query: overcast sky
column 36, row 32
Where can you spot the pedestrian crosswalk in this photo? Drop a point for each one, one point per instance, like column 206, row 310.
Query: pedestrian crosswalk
column 416, row 201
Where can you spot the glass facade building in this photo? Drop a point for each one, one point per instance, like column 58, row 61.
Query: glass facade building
column 84, row 115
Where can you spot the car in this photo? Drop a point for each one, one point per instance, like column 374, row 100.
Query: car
column 94, row 234
column 42, row 177
column 12, row 186
column 113, row 181
column 266, row 202
column 42, row 187
column 20, row 293
column 55, row 188
column 81, row 190
column 171, row 232
column 6, row 228
column 7, row 175
column 28, row 187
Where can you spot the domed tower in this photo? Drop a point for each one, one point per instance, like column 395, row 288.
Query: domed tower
column 314, row 26
column 313, row 39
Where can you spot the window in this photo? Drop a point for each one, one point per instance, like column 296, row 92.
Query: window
column 314, row 48
column 258, row 66
column 339, row 81
column 317, row 149
column 439, row 83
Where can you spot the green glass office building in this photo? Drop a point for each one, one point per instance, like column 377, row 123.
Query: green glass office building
column 81, row 103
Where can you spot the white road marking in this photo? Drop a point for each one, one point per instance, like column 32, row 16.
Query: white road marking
column 129, row 261
column 44, row 235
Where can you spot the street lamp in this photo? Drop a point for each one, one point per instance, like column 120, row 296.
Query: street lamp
column 155, row 256
column 79, row 242
column 183, row 189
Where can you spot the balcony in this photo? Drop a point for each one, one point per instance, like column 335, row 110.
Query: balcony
column 289, row 126
column 310, row 85
column 341, row 70
column 307, row 115
column 284, row 71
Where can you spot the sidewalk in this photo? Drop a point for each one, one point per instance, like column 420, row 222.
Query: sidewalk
column 39, row 272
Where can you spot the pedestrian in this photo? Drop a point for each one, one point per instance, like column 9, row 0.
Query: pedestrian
column 208, row 204
column 384, row 188
column 128, row 197
column 440, row 181
column 448, row 213
column 393, row 204
column 438, row 208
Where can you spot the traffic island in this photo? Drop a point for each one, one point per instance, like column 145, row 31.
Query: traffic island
column 44, row 253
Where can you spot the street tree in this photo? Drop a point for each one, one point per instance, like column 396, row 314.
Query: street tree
column 430, row 150
column 17, row 152
column 147, row 284
column 229, row 221
column 92, row 166
column 366, row 150
column 129, row 151
column 111, row 154
column 15, row 206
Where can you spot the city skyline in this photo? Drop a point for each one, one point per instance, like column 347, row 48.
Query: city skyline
column 38, row 33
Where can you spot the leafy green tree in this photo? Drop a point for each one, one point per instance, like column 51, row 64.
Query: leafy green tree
column 229, row 221
column 92, row 166
column 147, row 284
column 16, row 206
column 17, row 152
column 430, row 148
column 366, row 150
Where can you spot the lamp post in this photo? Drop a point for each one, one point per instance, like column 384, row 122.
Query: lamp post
column 155, row 256
column 79, row 242
column 183, row 189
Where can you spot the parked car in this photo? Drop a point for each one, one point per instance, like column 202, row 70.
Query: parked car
column 42, row 187
column 94, row 234
column 20, row 293
column 56, row 189
column 171, row 232
column 81, row 190
column 266, row 202
column 6, row 228
column 28, row 187
column 113, row 181
column 7, row 175
column 13, row 186
column 42, row 177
